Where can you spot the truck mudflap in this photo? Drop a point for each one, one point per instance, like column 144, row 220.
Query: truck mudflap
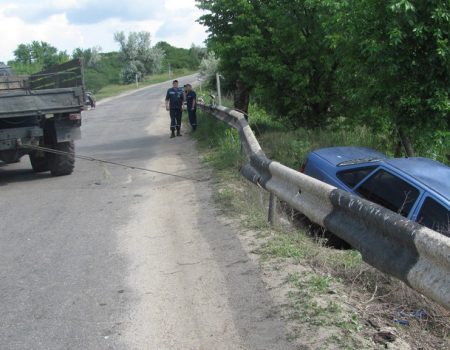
column 9, row 138
column 65, row 134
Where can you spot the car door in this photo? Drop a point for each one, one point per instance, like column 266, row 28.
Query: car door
column 434, row 214
column 390, row 190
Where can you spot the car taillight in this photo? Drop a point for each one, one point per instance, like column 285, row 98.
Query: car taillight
column 303, row 166
column 74, row 116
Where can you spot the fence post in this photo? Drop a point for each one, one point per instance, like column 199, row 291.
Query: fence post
column 272, row 209
column 219, row 90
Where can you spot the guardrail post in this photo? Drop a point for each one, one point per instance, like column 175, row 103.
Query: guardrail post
column 272, row 209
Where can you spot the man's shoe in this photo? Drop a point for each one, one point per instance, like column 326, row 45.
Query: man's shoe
column 179, row 134
column 172, row 135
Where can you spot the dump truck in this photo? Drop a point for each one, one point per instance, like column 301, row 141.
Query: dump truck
column 42, row 112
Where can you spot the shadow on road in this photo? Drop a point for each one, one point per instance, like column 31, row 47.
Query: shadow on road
column 123, row 150
column 8, row 176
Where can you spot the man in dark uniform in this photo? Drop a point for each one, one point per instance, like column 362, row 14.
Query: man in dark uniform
column 191, row 101
column 174, row 104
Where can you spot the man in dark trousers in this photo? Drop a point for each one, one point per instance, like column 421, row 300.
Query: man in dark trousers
column 191, row 101
column 174, row 104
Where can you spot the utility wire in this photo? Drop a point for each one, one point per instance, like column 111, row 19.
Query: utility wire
column 92, row 159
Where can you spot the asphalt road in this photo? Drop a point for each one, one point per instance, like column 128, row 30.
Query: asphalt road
column 116, row 258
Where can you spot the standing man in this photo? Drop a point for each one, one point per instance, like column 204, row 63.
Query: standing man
column 191, row 99
column 174, row 104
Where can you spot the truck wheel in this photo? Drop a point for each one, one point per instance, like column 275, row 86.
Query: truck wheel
column 39, row 164
column 62, row 164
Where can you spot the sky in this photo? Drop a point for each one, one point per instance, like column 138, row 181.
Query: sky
column 68, row 24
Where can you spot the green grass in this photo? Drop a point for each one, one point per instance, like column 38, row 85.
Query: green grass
column 294, row 246
column 116, row 89
column 290, row 147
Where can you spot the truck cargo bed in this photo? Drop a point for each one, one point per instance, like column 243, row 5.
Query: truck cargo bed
column 59, row 89
column 20, row 103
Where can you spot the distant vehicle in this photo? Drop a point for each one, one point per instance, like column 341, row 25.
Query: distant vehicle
column 416, row 188
column 5, row 71
column 90, row 99
column 42, row 110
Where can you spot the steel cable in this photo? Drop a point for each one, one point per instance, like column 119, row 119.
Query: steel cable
column 92, row 159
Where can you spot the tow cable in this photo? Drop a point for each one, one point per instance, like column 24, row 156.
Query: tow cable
column 92, row 159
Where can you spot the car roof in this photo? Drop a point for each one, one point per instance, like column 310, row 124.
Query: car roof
column 340, row 156
column 433, row 174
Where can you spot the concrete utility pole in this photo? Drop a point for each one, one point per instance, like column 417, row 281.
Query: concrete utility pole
column 219, row 92
column 137, row 81
column 170, row 71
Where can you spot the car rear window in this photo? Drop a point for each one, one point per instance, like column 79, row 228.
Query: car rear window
column 389, row 191
column 435, row 216
column 353, row 177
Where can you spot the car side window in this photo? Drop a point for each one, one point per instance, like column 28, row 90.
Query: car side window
column 434, row 216
column 389, row 191
column 353, row 177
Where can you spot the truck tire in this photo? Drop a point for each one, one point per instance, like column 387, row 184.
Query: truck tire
column 62, row 164
column 39, row 164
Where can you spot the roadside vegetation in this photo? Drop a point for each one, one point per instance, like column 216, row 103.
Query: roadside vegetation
column 115, row 89
column 336, row 69
column 331, row 298
column 314, row 74
column 110, row 73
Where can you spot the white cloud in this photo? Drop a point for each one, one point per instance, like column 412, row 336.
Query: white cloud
column 50, row 21
column 174, row 5
column 66, row 4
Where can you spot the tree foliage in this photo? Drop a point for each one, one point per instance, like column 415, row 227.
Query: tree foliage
column 384, row 64
column 90, row 56
column 209, row 66
column 106, row 71
column 39, row 53
column 180, row 57
column 139, row 57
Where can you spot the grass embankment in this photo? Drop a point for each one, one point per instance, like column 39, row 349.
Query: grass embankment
column 116, row 89
column 333, row 293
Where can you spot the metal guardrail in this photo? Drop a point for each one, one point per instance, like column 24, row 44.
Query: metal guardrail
column 418, row 256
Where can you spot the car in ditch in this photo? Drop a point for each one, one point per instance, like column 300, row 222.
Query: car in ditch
column 416, row 188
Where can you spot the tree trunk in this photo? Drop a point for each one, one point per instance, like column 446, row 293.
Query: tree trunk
column 406, row 143
column 241, row 96
column 398, row 149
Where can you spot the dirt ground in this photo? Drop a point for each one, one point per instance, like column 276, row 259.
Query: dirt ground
column 195, row 285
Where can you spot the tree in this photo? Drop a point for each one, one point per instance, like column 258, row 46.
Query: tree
column 179, row 58
column 139, row 57
column 209, row 66
column 382, row 64
column 90, row 56
column 276, row 46
column 397, row 68
column 39, row 53
column 23, row 54
column 233, row 36
column 197, row 52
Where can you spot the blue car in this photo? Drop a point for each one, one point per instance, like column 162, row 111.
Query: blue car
column 417, row 188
